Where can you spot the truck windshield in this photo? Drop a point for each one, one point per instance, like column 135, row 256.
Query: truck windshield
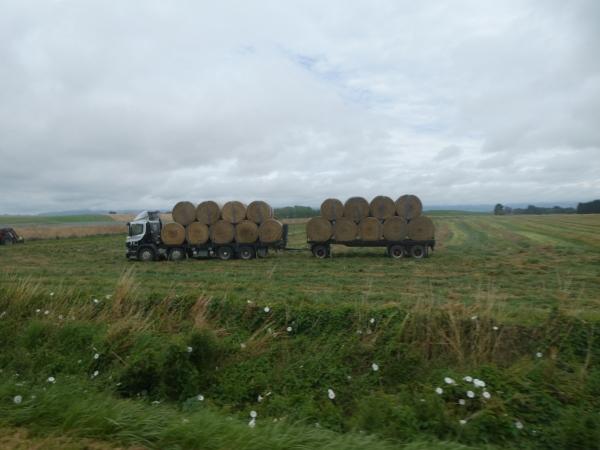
column 135, row 229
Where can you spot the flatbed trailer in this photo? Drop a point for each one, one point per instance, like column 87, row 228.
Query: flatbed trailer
column 395, row 249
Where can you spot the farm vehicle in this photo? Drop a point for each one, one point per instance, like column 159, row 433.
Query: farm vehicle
column 9, row 236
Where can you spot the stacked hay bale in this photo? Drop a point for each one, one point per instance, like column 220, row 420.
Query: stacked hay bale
column 234, row 222
column 381, row 219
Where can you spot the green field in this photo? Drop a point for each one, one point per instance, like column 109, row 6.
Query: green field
column 53, row 220
column 513, row 301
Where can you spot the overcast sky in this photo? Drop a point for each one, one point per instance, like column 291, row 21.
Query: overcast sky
column 138, row 104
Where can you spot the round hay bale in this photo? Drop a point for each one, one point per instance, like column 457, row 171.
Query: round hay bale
column 259, row 211
column 221, row 232
column 318, row 229
column 208, row 212
column 271, row 230
column 246, row 232
column 345, row 230
column 370, row 229
column 421, row 229
column 409, row 206
column 172, row 233
column 395, row 229
column 332, row 209
column 184, row 213
column 382, row 207
column 233, row 212
column 196, row 233
column 356, row 209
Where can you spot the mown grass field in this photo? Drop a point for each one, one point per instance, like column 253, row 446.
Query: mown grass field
column 513, row 301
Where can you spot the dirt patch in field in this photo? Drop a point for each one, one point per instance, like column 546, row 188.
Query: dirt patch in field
column 20, row 439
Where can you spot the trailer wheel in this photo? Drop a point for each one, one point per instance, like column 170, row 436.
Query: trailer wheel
column 176, row 254
column 396, row 251
column 225, row 253
column 320, row 251
column 146, row 254
column 418, row 252
column 262, row 252
column 246, row 253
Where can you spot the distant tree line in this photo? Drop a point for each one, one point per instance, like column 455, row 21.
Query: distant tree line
column 592, row 207
column 296, row 212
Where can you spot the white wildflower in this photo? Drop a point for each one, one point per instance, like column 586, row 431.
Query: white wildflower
column 51, row 380
column 17, row 399
column 253, row 414
column 462, row 421
column 462, row 401
column 38, row 310
column 267, row 309
column 448, row 380
column 189, row 349
column 478, row 383
column 96, row 355
column 539, row 354
column 242, row 345
column 95, row 374
column 468, row 379
column 96, row 301
column 60, row 317
column 252, row 423
column 330, row 394
column 51, row 294
column 372, row 320
column 495, row 328
column 439, row 390
column 200, row 397
column 473, row 317
column 519, row 425
column 46, row 312
column 289, row 329
column 470, row 394
column 375, row 367
column 259, row 398
column 107, row 296
column 486, row 395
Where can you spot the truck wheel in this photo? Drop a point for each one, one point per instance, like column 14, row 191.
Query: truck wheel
column 320, row 251
column 262, row 252
column 396, row 251
column 225, row 253
column 176, row 254
column 246, row 253
column 7, row 241
column 418, row 251
column 146, row 254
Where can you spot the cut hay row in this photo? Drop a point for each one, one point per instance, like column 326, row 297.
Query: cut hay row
column 380, row 219
column 233, row 222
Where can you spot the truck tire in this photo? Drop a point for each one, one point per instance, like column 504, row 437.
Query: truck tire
column 396, row 251
column 246, row 253
column 176, row 254
column 262, row 252
column 320, row 251
column 225, row 252
column 146, row 254
column 418, row 252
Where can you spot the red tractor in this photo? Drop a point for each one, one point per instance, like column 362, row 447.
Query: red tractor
column 9, row 236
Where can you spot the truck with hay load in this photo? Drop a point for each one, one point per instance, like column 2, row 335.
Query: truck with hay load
column 206, row 231
column 398, row 226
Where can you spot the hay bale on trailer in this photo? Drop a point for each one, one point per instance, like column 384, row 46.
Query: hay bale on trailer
column 184, row 213
column 208, row 212
column 370, row 229
column 345, row 230
column 246, row 232
column 233, row 212
column 222, row 232
column 409, row 206
column 196, row 233
column 259, row 211
column 421, row 229
column 395, row 229
column 356, row 209
column 270, row 231
column 332, row 209
column 172, row 233
column 382, row 207
column 318, row 229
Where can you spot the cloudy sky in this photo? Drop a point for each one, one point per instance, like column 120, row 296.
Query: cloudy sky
column 138, row 104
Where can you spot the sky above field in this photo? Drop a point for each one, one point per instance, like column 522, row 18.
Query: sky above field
column 138, row 104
